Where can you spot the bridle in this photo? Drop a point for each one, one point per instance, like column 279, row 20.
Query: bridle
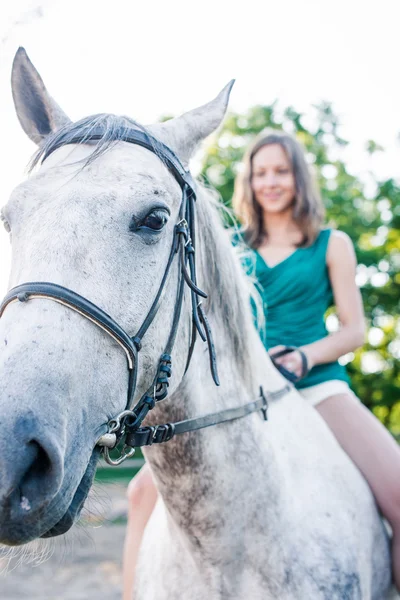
column 127, row 426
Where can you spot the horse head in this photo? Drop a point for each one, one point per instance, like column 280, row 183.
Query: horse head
column 98, row 218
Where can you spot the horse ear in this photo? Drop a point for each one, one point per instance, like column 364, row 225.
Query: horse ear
column 184, row 133
column 37, row 112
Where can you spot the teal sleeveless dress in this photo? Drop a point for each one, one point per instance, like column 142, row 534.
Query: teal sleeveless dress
column 296, row 294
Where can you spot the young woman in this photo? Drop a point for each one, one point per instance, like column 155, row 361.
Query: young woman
column 301, row 267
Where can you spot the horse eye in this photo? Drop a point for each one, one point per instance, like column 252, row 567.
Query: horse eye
column 156, row 220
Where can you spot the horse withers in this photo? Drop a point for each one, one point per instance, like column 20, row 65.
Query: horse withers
column 247, row 508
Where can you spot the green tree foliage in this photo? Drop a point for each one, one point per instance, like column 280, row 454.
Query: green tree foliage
column 368, row 211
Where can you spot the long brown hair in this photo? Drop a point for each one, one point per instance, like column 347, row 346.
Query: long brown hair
column 308, row 210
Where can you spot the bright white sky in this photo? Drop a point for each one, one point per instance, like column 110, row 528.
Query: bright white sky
column 155, row 57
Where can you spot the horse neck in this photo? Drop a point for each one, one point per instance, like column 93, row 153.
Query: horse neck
column 188, row 469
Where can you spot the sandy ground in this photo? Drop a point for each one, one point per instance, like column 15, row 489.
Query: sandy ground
column 83, row 565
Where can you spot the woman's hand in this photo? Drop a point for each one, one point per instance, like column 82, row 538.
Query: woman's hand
column 292, row 361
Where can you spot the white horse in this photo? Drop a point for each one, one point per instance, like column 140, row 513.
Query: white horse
column 247, row 508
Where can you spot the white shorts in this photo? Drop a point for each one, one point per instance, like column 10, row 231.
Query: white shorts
column 317, row 393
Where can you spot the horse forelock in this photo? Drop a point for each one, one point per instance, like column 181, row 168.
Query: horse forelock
column 114, row 129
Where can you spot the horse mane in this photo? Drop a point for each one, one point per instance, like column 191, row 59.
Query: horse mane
column 230, row 290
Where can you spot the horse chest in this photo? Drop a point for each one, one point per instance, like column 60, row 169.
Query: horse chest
column 264, row 563
column 276, row 537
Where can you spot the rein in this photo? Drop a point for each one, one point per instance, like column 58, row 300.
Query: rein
column 127, row 426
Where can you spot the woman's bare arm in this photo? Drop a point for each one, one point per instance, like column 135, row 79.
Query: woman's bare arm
column 341, row 261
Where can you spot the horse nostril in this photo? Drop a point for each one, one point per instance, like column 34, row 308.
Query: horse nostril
column 41, row 477
column 40, row 467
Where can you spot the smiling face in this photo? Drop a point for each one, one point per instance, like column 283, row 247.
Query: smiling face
column 272, row 179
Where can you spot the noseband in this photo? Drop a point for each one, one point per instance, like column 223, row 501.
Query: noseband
column 127, row 425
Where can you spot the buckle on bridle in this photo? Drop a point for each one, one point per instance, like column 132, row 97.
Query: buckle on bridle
column 153, row 432
column 264, row 407
column 109, row 441
column 166, row 430
column 125, row 453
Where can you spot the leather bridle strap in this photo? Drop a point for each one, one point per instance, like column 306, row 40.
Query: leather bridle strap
column 72, row 300
column 146, row 436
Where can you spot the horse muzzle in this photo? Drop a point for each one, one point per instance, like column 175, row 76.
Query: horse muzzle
column 31, row 476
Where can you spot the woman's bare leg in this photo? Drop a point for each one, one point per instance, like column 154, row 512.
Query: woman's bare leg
column 375, row 452
column 142, row 496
